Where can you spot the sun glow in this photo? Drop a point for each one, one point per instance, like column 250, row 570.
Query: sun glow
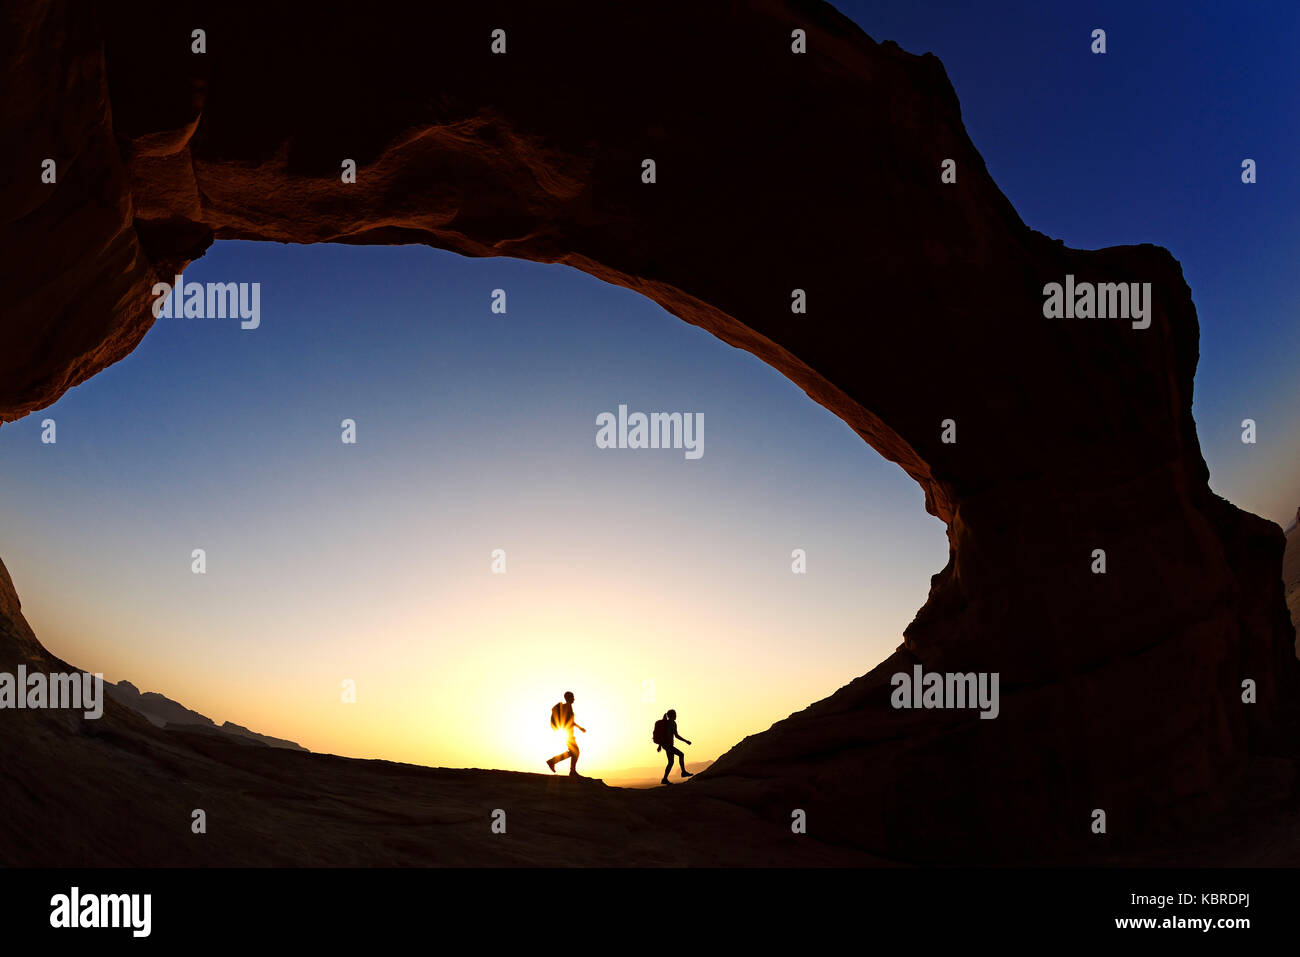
column 527, row 739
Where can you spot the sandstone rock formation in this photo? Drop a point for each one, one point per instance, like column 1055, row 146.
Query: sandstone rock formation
column 1291, row 575
column 775, row 171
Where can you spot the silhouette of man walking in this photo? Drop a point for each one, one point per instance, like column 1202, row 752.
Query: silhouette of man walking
column 665, row 734
column 562, row 717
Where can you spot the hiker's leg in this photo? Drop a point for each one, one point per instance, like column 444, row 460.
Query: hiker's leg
column 668, row 769
column 681, row 758
column 559, row 757
column 573, row 750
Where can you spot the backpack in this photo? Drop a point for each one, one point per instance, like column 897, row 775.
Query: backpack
column 557, row 721
column 662, row 735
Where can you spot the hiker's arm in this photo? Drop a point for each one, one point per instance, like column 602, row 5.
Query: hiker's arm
column 680, row 738
column 580, row 727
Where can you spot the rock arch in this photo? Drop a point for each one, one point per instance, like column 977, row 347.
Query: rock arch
column 776, row 171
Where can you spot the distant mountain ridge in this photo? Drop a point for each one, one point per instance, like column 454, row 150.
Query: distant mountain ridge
column 649, row 776
column 166, row 713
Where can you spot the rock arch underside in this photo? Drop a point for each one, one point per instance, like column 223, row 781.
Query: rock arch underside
column 775, row 171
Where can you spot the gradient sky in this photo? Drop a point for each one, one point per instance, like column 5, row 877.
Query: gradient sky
column 476, row 431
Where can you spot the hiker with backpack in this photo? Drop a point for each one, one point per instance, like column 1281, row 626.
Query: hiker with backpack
column 562, row 718
column 665, row 733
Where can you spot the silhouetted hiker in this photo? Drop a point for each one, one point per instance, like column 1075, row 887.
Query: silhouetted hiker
column 562, row 717
column 664, row 735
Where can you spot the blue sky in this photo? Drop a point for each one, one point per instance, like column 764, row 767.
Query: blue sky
column 476, row 431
